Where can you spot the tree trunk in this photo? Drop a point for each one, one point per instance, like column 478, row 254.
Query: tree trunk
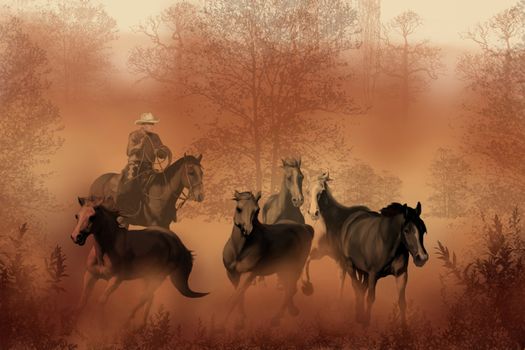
column 275, row 160
column 405, row 87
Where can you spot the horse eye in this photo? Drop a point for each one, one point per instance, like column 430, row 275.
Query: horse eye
column 238, row 209
column 76, row 216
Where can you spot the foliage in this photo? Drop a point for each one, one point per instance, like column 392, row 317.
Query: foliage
column 364, row 186
column 75, row 35
column 29, row 314
column 29, row 125
column 493, row 281
column 449, row 174
column 495, row 132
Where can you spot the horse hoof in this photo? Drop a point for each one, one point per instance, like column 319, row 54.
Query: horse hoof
column 293, row 310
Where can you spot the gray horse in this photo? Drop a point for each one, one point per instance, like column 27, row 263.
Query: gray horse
column 256, row 249
column 370, row 245
column 286, row 204
column 158, row 199
column 150, row 254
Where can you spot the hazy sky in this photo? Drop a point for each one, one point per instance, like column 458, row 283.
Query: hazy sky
column 443, row 19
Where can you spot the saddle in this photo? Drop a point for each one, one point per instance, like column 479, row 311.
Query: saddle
column 129, row 201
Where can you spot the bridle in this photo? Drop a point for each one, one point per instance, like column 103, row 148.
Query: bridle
column 191, row 187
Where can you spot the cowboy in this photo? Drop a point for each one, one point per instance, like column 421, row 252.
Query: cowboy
column 144, row 147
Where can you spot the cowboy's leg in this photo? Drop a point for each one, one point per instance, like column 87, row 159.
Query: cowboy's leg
column 125, row 185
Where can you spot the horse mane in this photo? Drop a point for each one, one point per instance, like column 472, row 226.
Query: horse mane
column 109, row 212
column 393, row 209
column 341, row 207
column 175, row 166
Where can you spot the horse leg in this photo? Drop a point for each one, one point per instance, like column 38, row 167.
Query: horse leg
column 292, row 308
column 359, row 295
column 289, row 291
column 401, row 283
column 147, row 297
column 245, row 281
column 341, row 288
column 113, row 284
column 372, row 281
column 89, row 282
column 147, row 309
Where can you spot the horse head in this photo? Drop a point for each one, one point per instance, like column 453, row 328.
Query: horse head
column 412, row 233
column 316, row 189
column 246, row 211
column 293, row 178
column 192, row 176
column 85, row 218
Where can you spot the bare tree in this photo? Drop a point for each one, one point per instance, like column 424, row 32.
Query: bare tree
column 370, row 26
column 450, row 184
column 75, row 35
column 411, row 64
column 363, row 185
column 267, row 66
column 496, row 129
column 29, row 122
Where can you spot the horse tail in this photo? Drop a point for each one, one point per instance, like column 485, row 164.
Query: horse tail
column 180, row 276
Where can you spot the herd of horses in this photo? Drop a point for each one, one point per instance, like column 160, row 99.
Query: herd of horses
column 366, row 245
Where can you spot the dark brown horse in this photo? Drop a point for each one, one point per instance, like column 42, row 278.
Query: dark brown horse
column 286, row 205
column 256, row 249
column 150, row 254
column 158, row 200
column 369, row 245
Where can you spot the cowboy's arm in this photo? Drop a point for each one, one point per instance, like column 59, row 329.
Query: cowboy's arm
column 135, row 143
column 162, row 151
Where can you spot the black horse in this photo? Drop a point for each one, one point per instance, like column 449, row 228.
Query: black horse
column 369, row 245
column 256, row 249
column 150, row 254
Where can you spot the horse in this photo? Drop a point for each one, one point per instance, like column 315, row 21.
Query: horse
column 256, row 249
column 158, row 199
column 150, row 254
column 286, row 204
column 370, row 245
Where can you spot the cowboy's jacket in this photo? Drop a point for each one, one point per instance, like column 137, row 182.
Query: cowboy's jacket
column 145, row 146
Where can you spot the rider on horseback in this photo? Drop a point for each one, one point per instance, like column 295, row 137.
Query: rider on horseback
column 144, row 147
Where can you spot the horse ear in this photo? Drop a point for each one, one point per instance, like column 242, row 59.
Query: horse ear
column 199, row 157
column 284, row 162
column 418, row 209
column 299, row 162
column 405, row 209
column 97, row 201
column 236, row 195
column 81, row 201
column 258, row 196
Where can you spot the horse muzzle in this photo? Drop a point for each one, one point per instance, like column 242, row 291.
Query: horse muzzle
column 314, row 216
column 79, row 239
column 297, row 201
column 420, row 259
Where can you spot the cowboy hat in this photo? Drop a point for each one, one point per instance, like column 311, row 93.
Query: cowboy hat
column 146, row 118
